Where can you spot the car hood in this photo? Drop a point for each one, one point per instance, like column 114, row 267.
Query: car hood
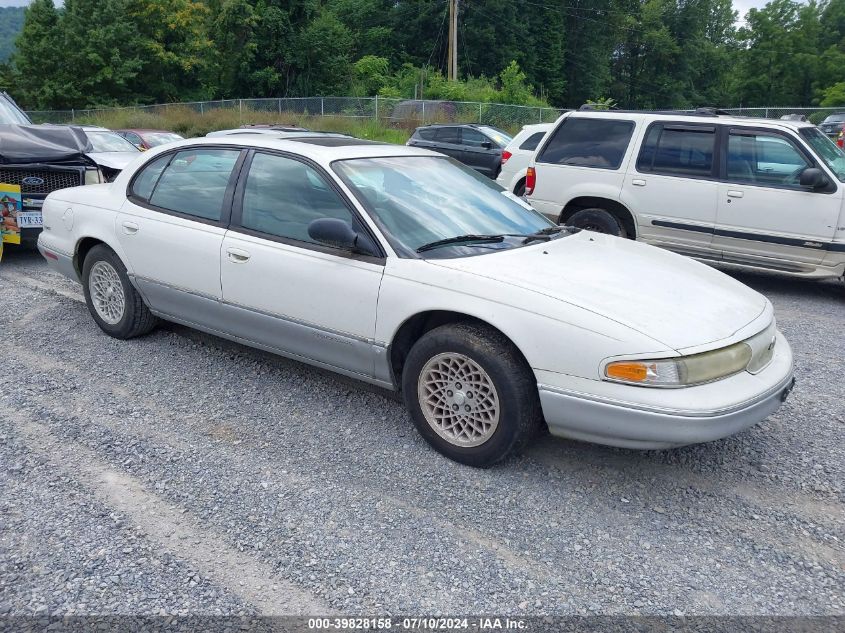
column 669, row 298
column 113, row 160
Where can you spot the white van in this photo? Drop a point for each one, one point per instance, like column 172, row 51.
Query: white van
column 755, row 193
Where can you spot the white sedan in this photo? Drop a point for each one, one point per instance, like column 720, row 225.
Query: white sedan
column 402, row 268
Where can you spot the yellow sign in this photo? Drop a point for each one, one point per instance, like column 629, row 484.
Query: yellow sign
column 11, row 204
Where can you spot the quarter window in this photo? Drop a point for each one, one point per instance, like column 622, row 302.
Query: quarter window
column 531, row 143
column 588, row 142
column 194, row 182
column 283, row 196
column 146, row 180
column 676, row 149
column 764, row 159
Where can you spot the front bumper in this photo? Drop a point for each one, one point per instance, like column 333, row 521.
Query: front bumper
column 628, row 424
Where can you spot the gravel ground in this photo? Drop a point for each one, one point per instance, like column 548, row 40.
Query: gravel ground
column 179, row 473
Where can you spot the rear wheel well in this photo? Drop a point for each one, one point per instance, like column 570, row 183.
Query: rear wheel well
column 611, row 206
column 82, row 249
column 415, row 327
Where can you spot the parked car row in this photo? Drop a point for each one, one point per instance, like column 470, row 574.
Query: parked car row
column 40, row 159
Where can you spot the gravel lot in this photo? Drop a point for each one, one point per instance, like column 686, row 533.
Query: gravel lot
column 179, row 473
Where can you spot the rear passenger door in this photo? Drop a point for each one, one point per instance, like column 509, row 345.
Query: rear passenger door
column 172, row 224
column 284, row 290
column 447, row 140
column 672, row 189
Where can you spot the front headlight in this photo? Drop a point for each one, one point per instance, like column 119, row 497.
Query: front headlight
column 682, row 371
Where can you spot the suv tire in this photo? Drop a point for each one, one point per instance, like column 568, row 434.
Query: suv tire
column 470, row 393
column 111, row 298
column 597, row 220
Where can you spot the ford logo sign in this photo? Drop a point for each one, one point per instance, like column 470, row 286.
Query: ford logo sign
column 33, row 181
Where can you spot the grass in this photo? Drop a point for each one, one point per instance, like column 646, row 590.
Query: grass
column 190, row 123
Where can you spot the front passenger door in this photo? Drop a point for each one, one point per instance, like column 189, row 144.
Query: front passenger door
column 480, row 152
column 287, row 292
column 763, row 210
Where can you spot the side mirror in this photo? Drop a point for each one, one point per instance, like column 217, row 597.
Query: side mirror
column 340, row 234
column 813, row 178
column 487, row 145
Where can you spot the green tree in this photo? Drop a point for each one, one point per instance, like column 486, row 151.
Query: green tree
column 39, row 66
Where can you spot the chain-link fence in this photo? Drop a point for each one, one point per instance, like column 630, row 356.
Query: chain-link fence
column 399, row 111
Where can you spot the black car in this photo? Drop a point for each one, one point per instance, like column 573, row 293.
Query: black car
column 477, row 146
column 833, row 124
column 38, row 159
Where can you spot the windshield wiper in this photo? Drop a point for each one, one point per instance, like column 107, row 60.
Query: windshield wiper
column 458, row 239
column 543, row 234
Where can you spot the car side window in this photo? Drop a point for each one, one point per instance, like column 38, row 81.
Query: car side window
column 683, row 150
column 147, row 178
column 194, row 182
column 449, row 135
column 282, row 196
column 474, row 138
column 426, row 134
column 588, row 142
column 764, row 159
column 531, row 143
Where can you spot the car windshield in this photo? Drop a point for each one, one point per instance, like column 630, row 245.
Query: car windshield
column 10, row 114
column 497, row 135
column 835, row 118
column 154, row 139
column 109, row 142
column 827, row 150
column 420, row 200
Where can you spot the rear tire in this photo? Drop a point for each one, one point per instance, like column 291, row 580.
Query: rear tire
column 111, row 298
column 471, row 394
column 597, row 220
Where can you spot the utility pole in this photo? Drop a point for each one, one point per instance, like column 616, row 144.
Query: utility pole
column 452, row 71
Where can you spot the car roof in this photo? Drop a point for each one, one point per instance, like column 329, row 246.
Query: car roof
column 690, row 117
column 323, row 150
column 144, row 129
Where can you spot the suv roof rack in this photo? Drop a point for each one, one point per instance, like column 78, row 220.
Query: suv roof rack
column 703, row 112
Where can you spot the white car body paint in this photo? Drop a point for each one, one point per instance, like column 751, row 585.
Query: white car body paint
column 568, row 305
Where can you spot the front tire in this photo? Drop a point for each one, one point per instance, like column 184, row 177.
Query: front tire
column 597, row 220
column 111, row 298
column 471, row 394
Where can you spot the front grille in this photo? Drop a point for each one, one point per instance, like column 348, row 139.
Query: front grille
column 53, row 179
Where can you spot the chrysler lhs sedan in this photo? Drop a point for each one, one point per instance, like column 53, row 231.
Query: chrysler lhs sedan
column 402, row 268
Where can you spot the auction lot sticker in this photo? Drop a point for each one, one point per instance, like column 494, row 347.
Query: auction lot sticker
column 11, row 205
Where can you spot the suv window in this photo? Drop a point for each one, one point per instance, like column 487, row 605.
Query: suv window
column 531, row 143
column 194, row 182
column 474, row 138
column 588, row 142
column 685, row 150
column 764, row 159
column 426, row 134
column 283, row 196
column 449, row 135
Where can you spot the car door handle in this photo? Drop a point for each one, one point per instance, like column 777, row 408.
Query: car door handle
column 130, row 228
column 638, row 182
column 735, row 194
column 237, row 256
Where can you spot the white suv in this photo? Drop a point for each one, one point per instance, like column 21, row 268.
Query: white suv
column 749, row 192
column 518, row 154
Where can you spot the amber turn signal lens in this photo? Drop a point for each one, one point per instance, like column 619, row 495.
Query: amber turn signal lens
column 635, row 372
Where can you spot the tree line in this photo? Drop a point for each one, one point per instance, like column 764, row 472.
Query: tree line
column 638, row 53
